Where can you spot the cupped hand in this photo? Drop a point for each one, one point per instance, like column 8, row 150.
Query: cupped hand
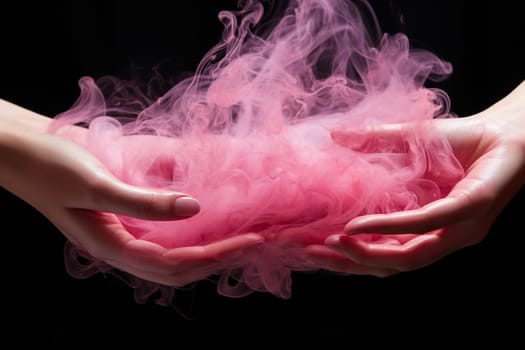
column 491, row 148
column 76, row 192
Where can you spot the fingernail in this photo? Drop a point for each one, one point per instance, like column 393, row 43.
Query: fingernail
column 348, row 230
column 186, row 206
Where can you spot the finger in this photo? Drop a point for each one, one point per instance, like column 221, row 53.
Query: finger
column 103, row 236
column 484, row 189
column 151, row 257
column 99, row 234
column 331, row 260
column 462, row 145
column 217, row 251
column 394, row 136
column 180, row 266
column 421, row 251
column 117, row 197
column 391, row 137
column 441, row 213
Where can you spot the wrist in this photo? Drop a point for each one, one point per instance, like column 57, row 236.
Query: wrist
column 14, row 118
column 17, row 126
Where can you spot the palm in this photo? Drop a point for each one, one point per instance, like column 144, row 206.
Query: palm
column 401, row 241
column 76, row 192
column 103, row 236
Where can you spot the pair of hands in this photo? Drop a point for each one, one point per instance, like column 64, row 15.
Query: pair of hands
column 79, row 195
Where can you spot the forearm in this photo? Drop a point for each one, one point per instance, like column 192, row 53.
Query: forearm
column 14, row 118
column 18, row 126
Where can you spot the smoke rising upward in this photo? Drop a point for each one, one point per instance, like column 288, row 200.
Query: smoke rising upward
column 259, row 135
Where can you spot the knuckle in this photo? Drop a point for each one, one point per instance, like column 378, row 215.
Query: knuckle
column 97, row 188
column 146, row 207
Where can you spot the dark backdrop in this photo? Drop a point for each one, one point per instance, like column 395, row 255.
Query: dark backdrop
column 47, row 47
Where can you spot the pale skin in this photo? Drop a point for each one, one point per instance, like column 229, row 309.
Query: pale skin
column 490, row 146
column 76, row 192
column 81, row 197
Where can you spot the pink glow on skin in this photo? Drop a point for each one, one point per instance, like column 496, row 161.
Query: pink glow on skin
column 258, row 136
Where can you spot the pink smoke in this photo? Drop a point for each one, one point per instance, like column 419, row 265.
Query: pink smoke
column 251, row 136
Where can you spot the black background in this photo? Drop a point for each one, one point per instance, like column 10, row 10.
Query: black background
column 47, row 47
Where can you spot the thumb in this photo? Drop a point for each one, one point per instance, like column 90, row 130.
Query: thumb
column 373, row 138
column 151, row 204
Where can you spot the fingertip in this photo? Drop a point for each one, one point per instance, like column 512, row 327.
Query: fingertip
column 186, row 207
column 344, row 245
column 349, row 230
column 253, row 239
column 347, row 138
column 354, row 227
column 371, row 223
column 311, row 250
column 333, row 240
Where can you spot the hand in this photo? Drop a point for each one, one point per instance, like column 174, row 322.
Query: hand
column 75, row 191
column 491, row 148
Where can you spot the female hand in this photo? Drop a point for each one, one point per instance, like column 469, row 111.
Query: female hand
column 491, row 148
column 75, row 191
